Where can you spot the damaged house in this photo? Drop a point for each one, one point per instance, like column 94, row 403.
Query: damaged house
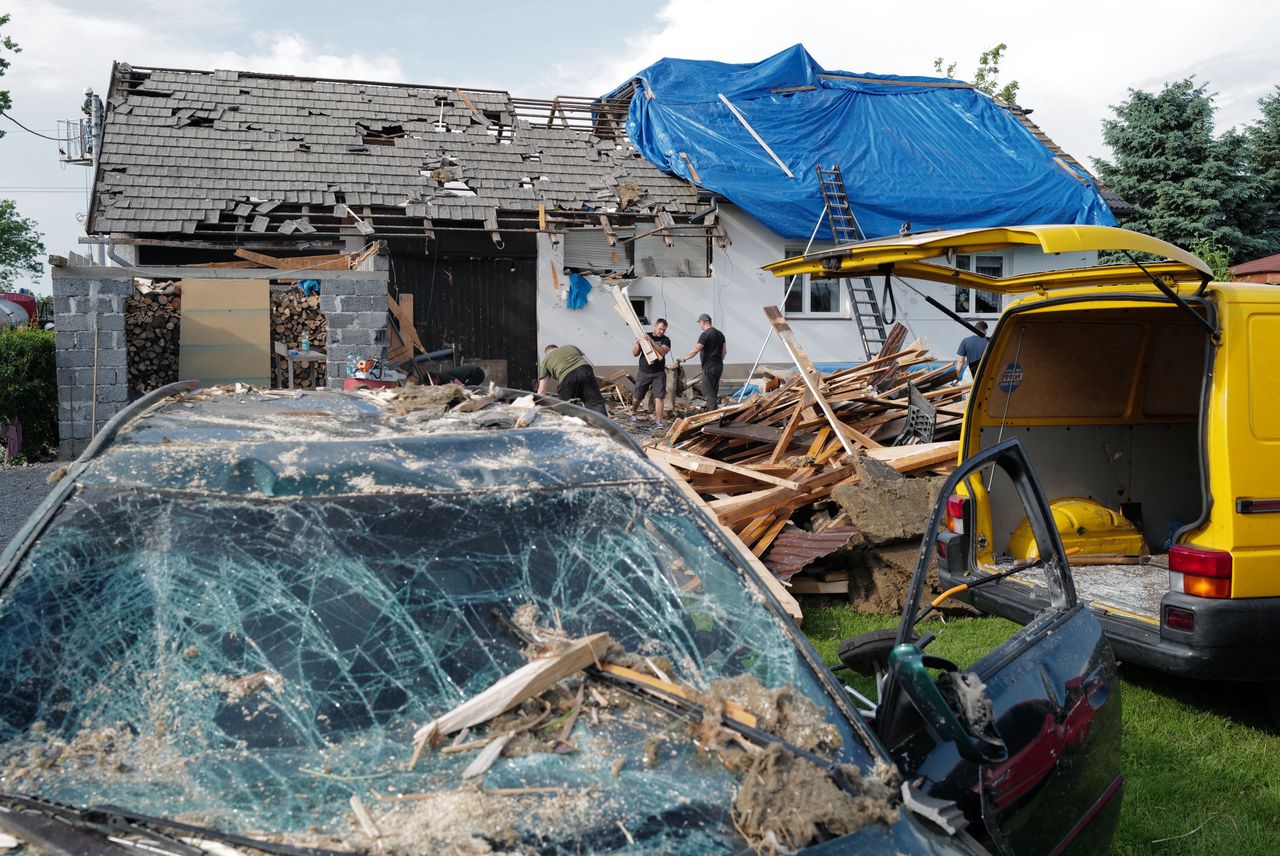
column 678, row 185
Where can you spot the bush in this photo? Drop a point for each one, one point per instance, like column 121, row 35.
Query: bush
column 29, row 388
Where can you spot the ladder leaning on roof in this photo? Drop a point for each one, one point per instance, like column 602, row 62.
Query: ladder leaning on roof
column 845, row 230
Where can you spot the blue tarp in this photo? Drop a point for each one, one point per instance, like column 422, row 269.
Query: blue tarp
column 910, row 150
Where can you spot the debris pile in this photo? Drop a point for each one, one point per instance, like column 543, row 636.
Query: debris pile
column 153, row 323
column 807, row 472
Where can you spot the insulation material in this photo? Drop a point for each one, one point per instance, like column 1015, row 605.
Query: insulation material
column 226, row 332
column 248, row 631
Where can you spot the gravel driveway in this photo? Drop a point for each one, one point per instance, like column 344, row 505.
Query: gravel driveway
column 21, row 489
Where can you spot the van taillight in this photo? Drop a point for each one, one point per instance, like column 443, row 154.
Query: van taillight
column 1200, row 571
column 956, row 507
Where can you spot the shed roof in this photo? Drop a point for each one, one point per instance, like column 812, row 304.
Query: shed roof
column 227, row 152
column 1266, row 264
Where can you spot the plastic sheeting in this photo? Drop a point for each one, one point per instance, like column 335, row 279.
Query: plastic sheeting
column 939, row 157
column 245, row 631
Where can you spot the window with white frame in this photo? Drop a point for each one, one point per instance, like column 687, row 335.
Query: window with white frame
column 813, row 298
column 641, row 307
column 975, row 301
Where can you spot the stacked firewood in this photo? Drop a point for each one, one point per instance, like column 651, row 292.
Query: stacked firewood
column 770, row 468
column 293, row 316
column 153, row 318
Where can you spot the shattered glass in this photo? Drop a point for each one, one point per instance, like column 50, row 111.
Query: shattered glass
column 245, row 630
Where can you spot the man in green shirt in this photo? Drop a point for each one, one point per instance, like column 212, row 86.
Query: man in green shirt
column 574, row 377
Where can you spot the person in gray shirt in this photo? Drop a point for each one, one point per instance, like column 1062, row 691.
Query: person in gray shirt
column 970, row 351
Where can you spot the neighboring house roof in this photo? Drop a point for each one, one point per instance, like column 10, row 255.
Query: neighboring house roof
column 1266, row 264
column 236, row 154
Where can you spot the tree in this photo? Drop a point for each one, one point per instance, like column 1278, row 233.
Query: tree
column 20, row 244
column 1264, row 163
column 6, row 44
column 986, row 78
column 1183, row 184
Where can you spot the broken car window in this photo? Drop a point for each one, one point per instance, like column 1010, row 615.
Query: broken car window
column 247, row 634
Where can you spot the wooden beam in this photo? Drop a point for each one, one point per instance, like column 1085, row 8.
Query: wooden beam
column 623, row 304
column 811, row 378
column 699, row 464
column 693, row 173
column 905, row 459
column 784, row 442
column 529, row 681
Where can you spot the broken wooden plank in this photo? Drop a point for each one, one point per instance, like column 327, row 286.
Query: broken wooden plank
column 623, row 304
column 488, row 755
column 732, row 709
column 698, row 463
column 906, row 459
column 811, row 585
column 809, row 375
column 530, row 680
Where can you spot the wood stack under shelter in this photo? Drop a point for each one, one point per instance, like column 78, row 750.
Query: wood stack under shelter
column 153, row 316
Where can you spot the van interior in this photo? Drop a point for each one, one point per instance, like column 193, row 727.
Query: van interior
column 1107, row 404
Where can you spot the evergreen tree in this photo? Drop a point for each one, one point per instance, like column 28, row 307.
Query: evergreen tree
column 1264, row 163
column 1184, row 185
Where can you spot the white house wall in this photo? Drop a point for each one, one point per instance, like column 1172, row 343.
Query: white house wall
column 734, row 296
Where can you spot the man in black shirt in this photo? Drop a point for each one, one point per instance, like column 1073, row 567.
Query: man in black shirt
column 652, row 375
column 712, row 347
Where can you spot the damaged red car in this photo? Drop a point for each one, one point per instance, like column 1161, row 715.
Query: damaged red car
column 433, row 620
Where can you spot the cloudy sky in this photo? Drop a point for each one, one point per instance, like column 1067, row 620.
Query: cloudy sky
column 1074, row 61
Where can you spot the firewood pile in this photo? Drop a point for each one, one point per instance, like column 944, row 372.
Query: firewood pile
column 294, row 314
column 771, row 468
column 153, row 318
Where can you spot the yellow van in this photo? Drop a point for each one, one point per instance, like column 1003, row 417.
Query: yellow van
column 1145, row 396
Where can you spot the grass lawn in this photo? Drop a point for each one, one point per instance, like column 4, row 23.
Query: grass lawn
column 1201, row 762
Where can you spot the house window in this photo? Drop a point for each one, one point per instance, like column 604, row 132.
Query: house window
column 975, row 301
column 641, row 307
column 818, row 298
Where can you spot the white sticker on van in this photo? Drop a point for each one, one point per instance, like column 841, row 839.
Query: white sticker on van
column 1011, row 377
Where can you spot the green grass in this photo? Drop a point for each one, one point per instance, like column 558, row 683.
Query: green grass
column 1201, row 760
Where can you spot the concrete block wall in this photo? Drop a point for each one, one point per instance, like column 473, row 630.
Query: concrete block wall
column 356, row 312
column 91, row 387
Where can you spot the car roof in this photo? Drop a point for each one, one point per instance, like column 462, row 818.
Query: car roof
column 414, row 439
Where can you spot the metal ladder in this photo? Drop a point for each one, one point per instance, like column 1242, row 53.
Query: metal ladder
column 845, row 230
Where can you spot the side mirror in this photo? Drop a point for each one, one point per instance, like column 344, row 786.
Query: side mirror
column 910, row 672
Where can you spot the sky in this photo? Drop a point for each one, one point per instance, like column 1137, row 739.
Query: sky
column 1074, row 62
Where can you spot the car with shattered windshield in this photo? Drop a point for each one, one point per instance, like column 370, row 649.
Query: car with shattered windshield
column 439, row 621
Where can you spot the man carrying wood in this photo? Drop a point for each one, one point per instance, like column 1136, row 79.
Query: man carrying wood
column 711, row 345
column 652, row 375
column 574, row 377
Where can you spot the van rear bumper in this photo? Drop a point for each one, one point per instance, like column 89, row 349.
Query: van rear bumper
column 1231, row 640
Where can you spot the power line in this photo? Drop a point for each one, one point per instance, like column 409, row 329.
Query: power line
column 28, row 130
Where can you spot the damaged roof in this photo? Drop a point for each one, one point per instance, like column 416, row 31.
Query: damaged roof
column 234, row 153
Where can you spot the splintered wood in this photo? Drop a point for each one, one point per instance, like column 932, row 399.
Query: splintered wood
column 768, row 465
column 530, row 680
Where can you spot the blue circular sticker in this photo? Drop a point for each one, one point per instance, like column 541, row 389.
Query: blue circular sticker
column 1011, row 377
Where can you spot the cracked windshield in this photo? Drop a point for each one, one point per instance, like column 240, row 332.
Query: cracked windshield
column 273, row 647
